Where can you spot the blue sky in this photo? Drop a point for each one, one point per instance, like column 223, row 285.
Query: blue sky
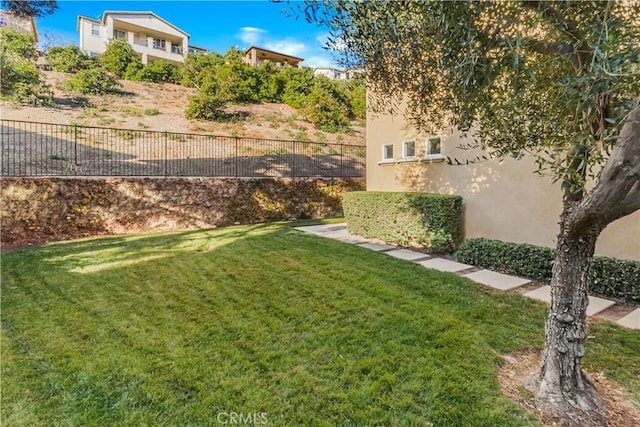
column 215, row 25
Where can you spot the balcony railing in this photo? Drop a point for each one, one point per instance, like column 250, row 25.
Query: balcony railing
column 140, row 41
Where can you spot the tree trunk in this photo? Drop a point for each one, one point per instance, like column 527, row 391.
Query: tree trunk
column 563, row 384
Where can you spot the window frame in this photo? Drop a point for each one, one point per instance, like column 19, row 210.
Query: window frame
column 95, row 29
column 405, row 145
column 161, row 46
column 386, row 159
column 427, row 147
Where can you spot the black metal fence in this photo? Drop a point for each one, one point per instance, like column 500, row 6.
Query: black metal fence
column 44, row 149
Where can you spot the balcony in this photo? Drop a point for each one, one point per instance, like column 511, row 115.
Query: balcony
column 140, row 41
column 176, row 49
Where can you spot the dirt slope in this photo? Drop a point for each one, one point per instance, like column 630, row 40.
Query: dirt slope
column 134, row 109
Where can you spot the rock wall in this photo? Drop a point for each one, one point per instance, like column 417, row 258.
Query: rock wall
column 42, row 209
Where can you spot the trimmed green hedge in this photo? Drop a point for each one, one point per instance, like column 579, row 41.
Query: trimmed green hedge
column 610, row 277
column 431, row 220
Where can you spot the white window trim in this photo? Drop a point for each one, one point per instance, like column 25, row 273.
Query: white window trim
column 404, row 149
column 387, row 160
column 434, row 156
column 95, row 26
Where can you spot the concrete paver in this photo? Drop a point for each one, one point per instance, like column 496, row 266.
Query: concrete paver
column 596, row 305
column 377, row 246
column 631, row 320
column 444, row 265
column 406, row 254
column 495, row 280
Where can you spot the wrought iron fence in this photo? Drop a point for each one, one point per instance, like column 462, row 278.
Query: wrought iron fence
column 44, row 149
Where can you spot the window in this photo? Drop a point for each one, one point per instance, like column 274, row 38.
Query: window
column 433, row 144
column 159, row 44
column 93, row 54
column 119, row 34
column 387, row 152
column 408, row 149
column 176, row 49
column 95, row 29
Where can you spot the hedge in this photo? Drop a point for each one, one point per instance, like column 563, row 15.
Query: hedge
column 431, row 220
column 610, row 277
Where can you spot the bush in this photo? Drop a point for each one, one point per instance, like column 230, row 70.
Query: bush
column 157, row 72
column 431, row 220
column 95, row 81
column 21, row 81
column 117, row 57
column 205, row 106
column 609, row 276
column 68, row 59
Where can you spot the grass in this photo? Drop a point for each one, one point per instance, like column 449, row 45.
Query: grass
column 174, row 329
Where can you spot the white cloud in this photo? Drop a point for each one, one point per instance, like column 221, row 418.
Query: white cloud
column 290, row 47
column 251, row 35
column 319, row 61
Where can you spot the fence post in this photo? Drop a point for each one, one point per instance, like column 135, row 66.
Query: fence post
column 342, row 160
column 75, row 145
column 166, row 154
column 293, row 160
column 236, row 156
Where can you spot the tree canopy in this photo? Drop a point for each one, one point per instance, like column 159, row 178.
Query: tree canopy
column 34, row 8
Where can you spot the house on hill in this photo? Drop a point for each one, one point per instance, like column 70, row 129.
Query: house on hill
column 255, row 56
column 151, row 36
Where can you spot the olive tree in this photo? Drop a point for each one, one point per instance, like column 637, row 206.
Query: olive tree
column 559, row 81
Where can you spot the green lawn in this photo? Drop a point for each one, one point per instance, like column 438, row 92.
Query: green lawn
column 174, row 329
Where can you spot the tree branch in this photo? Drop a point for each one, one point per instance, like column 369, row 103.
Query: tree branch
column 617, row 192
column 555, row 48
column 578, row 41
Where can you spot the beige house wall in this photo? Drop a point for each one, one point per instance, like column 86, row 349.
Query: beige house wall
column 503, row 200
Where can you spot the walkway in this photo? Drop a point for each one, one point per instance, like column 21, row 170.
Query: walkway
column 503, row 282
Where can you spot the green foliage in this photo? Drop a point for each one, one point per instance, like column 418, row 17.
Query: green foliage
column 156, row 72
column 118, row 56
column 207, row 105
column 21, row 81
column 199, row 67
column 20, row 44
column 299, row 83
column 68, row 59
column 431, row 220
column 95, row 81
column 609, row 276
column 33, row 8
column 151, row 112
column 325, row 106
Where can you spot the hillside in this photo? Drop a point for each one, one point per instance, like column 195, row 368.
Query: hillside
column 157, row 106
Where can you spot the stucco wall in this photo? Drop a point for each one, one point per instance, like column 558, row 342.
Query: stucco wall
column 503, row 200
column 37, row 209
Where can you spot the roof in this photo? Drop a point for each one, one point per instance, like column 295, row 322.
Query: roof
column 272, row 51
column 132, row 12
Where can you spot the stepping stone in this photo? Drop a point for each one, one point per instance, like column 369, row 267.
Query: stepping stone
column 495, row 280
column 377, row 246
column 323, row 228
column 596, row 305
column 345, row 236
column 444, row 265
column 631, row 320
column 406, row 254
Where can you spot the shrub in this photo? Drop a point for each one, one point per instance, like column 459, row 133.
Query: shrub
column 157, row 72
column 205, row 106
column 609, row 276
column 68, row 59
column 431, row 220
column 117, row 57
column 151, row 112
column 20, row 81
column 95, row 81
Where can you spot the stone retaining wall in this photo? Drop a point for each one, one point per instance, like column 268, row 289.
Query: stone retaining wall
column 41, row 209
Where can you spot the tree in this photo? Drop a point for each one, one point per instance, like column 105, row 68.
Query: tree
column 118, row 56
column 34, row 8
column 21, row 80
column 68, row 59
column 559, row 81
